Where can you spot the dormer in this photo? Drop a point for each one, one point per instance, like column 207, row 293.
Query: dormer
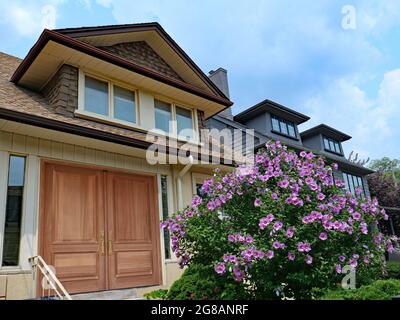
column 273, row 120
column 325, row 138
column 134, row 77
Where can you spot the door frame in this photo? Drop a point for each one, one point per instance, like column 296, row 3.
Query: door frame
column 41, row 221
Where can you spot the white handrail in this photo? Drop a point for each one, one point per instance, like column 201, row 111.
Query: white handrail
column 37, row 262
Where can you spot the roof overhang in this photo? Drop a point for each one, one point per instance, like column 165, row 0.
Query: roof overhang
column 54, row 49
column 326, row 131
column 271, row 107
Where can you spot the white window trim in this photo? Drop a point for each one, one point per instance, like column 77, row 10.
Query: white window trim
column 195, row 125
column 110, row 118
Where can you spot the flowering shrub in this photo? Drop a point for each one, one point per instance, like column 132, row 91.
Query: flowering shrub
column 280, row 227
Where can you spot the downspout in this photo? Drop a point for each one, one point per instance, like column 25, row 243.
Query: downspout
column 179, row 181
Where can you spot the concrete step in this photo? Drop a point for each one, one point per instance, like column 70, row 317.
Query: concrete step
column 121, row 294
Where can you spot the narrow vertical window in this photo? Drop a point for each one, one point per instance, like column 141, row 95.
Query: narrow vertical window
column 275, row 124
column 163, row 115
column 164, row 202
column 12, row 229
column 124, row 105
column 96, row 96
column 184, row 122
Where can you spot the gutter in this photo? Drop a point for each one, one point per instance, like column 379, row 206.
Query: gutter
column 179, row 181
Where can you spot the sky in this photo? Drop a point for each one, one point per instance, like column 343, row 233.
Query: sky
column 336, row 61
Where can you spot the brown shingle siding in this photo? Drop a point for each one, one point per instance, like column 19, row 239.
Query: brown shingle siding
column 141, row 53
column 62, row 91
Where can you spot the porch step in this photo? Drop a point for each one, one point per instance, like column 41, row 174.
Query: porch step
column 122, row 294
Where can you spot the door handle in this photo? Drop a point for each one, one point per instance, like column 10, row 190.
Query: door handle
column 110, row 244
column 102, row 244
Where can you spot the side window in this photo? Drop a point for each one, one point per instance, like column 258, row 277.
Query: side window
column 164, row 203
column 13, row 216
column 163, row 115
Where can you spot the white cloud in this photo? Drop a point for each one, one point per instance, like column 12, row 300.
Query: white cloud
column 373, row 123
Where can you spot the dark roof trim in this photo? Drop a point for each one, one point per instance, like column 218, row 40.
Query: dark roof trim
column 84, row 131
column 136, row 27
column 327, row 130
column 266, row 105
column 48, row 35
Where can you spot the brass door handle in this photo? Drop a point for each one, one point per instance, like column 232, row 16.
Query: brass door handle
column 110, row 244
column 102, row 244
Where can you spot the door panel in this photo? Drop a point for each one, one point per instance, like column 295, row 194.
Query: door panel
column 74, row 219
column 133, row 236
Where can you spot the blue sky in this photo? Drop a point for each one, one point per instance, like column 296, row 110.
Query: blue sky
column 294, row 52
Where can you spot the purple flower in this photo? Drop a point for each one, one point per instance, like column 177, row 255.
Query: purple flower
column 257, row 202
column 274, row 196
column 309, row 259
column 283, row 184
column 290, row 232
column 323, row 236
column 270, row 254
column 303, row 247
column 320, row 196
column 356, row 216
column 196, row 201
column 264, row 222
column 278, row 225
column 338, row 268
column 220, row 268
column 342, row 258
column 249, row 239
column 303, row 154
column 291, row 256
column 231, row 238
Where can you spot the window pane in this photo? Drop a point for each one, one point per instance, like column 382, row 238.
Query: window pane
column 162, row 115
column 331, row 146
column 326, row 143
column 96, row 96
column 292, row 132
column 12, row 228
column 275, row 124
column 124, row 104
column 164, row 202
column 337, row 147
column 346, row 180
column 284, row 129
column 184, row 122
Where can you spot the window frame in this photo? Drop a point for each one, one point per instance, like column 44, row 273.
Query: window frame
column 334, row 142
column 81, row 111
column 174, row 133
column 6, row 167
column 286, row 123
column 354, row 178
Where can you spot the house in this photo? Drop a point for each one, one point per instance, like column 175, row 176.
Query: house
column 75, row 184
column 272, row 121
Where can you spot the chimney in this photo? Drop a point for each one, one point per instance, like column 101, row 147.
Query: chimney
column 220, row 79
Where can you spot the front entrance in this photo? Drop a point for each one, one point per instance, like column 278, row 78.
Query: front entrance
column 99, row 229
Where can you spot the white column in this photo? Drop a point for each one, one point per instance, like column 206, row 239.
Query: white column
column 3, row 196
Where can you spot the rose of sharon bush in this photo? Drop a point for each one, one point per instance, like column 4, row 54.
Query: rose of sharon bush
column 280, row 227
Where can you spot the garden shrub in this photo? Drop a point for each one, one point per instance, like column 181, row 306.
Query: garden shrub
column 159, row 294
column 393, row 270
column 200, row 282
column 281, row 227
column 378, row 290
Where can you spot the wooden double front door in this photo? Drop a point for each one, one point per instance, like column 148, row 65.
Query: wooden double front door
column 99, row 229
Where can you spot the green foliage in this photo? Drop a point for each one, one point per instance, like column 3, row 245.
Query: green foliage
column 393, row 270
column 160, row 294
column 390, row 167
column 378, row 290
column 200, row 282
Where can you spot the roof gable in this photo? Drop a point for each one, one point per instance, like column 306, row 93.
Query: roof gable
column 141, row 53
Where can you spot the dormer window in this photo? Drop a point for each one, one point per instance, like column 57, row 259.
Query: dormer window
column 107, row 101
column 332, row 145
column 284, row 127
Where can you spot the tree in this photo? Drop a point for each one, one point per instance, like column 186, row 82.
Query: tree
column 390, row 167
column 281, row 227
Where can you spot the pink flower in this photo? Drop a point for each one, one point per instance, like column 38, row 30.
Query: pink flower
column 283, row 184
column 309, row 259
column 303, row 247
column 303, row 154
column 274, row 196
column 220, row 268
column 270, row 254
column 356, row 216
column 291, row 256
column 338, row 268
column 290, row 232
column 323, row 236
column 278, row 225
column 257, row 202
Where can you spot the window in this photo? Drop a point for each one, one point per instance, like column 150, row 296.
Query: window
column 163, row 115
column 164, row 203
column 124, row 105
column 332, row 145
column 121, row 106
column 352, row 182
column 284, row 127
column 96, row 96
column 12, row 228
column 184, row 122
column 166, row 112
